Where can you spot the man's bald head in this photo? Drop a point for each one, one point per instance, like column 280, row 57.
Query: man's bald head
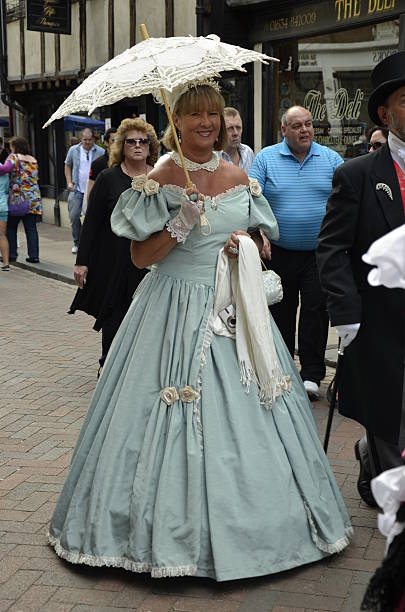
column 298, row 131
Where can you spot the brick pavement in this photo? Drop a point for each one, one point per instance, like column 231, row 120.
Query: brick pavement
column 47, row 375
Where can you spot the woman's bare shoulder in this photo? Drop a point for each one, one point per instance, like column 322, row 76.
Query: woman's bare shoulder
column 233, row 173
column 162, row 172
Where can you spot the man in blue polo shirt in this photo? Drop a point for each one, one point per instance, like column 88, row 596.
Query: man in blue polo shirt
column 296, row 178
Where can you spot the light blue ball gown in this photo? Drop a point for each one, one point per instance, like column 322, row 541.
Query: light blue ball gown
column 212, row 483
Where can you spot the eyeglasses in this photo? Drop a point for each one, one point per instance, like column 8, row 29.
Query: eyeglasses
column 374, row 145
column 133, row 142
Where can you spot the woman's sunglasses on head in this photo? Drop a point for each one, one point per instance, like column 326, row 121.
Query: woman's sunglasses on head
column 133, row 142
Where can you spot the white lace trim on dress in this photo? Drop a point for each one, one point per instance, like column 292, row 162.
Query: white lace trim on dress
column 223, row 194
column 122, row 562
column 337, row 546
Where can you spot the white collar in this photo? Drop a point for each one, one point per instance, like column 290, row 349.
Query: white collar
column 397, row 148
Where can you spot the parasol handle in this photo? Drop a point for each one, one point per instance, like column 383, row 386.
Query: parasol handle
column 145, row 36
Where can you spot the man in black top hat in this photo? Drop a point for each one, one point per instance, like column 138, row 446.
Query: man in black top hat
column 367, row 202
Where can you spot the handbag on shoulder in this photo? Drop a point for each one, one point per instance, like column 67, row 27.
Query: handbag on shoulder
column 18, row 205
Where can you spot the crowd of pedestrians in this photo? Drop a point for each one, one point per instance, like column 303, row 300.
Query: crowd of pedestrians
column 321, row 215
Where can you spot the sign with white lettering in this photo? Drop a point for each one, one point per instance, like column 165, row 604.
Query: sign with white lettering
column 315, row 18
column 49, row 16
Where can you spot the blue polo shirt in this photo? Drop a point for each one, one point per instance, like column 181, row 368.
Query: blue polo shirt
column 297, row 192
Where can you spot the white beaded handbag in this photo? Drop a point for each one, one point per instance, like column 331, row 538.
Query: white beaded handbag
column 273, row 289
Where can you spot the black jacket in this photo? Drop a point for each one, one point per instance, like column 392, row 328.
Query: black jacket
column 357, row 214
column 112, row 278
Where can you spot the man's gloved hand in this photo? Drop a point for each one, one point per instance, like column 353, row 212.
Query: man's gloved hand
column 192, row 205
column 347, row 332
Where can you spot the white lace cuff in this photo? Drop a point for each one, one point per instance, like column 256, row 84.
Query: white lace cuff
column 177, row 229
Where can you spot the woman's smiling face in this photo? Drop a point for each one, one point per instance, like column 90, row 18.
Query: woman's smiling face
column 199, row 129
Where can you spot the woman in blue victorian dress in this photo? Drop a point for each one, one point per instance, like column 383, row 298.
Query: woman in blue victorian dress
column 190, row 462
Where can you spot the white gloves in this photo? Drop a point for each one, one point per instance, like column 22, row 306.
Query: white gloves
column 182, row 224
column 347, row 332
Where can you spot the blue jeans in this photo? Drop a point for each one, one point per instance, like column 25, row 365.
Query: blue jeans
column 30, row 227
column 75, row 203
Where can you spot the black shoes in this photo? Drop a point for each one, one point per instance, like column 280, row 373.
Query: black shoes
column 364, row 480
column 32, row 259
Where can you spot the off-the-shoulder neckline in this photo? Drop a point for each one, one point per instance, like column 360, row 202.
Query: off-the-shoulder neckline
column 223, row 194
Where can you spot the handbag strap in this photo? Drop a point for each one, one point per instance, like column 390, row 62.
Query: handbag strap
column 263, row 264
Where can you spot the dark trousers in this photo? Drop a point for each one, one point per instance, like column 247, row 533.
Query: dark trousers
column 378, row 455
column 300, row 280
column 109, row 329
column 31, row 232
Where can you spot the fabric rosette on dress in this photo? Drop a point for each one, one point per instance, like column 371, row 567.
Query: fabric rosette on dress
column 179, row 469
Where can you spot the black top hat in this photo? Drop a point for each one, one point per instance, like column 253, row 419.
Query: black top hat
column 386, row 77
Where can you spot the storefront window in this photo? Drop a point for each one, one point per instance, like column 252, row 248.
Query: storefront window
column 330, row 75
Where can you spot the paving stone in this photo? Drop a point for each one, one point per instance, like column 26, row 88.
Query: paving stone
column 18, row 583
column 354, row 599
column 24, row 538
column 187, row 604
column 91, row 597
column 67, row 578
column 313, row 602
column 9, row 566
column 81, row 608
column 33, row 600
column 50, row 376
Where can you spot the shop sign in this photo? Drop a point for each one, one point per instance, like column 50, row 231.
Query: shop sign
column 337, row 122
column 321, row 17
column 340, row 107
column 49, row 16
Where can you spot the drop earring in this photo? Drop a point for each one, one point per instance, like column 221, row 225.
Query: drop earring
column 179, row 136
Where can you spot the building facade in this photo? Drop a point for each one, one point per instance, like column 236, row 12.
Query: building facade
column 327, row 51
column 39, row 70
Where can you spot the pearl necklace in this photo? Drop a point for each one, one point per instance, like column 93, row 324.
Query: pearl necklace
column 209, row 166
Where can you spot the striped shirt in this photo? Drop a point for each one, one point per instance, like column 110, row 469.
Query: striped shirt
column 297, row 192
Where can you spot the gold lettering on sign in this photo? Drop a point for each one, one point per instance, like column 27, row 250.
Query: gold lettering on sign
column 48, row 11
column 347, row 9
column 378, row 6
column 341, row 107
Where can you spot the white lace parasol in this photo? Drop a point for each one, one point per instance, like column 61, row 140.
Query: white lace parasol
column 155, row 64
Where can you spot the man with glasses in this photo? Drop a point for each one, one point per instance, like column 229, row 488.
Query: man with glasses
column 77, row 168
column 296, row 178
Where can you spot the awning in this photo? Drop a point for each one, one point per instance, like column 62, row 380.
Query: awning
column 77, row 122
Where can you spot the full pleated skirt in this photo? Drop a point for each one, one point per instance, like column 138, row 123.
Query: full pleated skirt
column 207, row 482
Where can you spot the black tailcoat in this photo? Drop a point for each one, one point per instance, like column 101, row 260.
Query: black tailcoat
column 357, row 214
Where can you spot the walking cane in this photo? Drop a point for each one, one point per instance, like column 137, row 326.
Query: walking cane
column 338, row 376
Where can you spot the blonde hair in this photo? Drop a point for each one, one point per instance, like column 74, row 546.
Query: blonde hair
column 201, row 97
column 127, row 125
column 230, row 111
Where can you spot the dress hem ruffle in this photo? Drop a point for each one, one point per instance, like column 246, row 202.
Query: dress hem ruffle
column 77, row 558
column 120, row 562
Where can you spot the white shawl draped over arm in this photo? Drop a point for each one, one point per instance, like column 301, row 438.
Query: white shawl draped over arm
column 240, row 283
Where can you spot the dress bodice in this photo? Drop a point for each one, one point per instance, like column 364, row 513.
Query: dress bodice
column 138, row 214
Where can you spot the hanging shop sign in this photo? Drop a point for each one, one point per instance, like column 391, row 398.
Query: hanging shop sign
column 303, row 20
column 49, row 16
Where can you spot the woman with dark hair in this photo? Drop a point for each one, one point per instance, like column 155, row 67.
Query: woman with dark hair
column 103, row 271
column 376, row 137
column 24, row 191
